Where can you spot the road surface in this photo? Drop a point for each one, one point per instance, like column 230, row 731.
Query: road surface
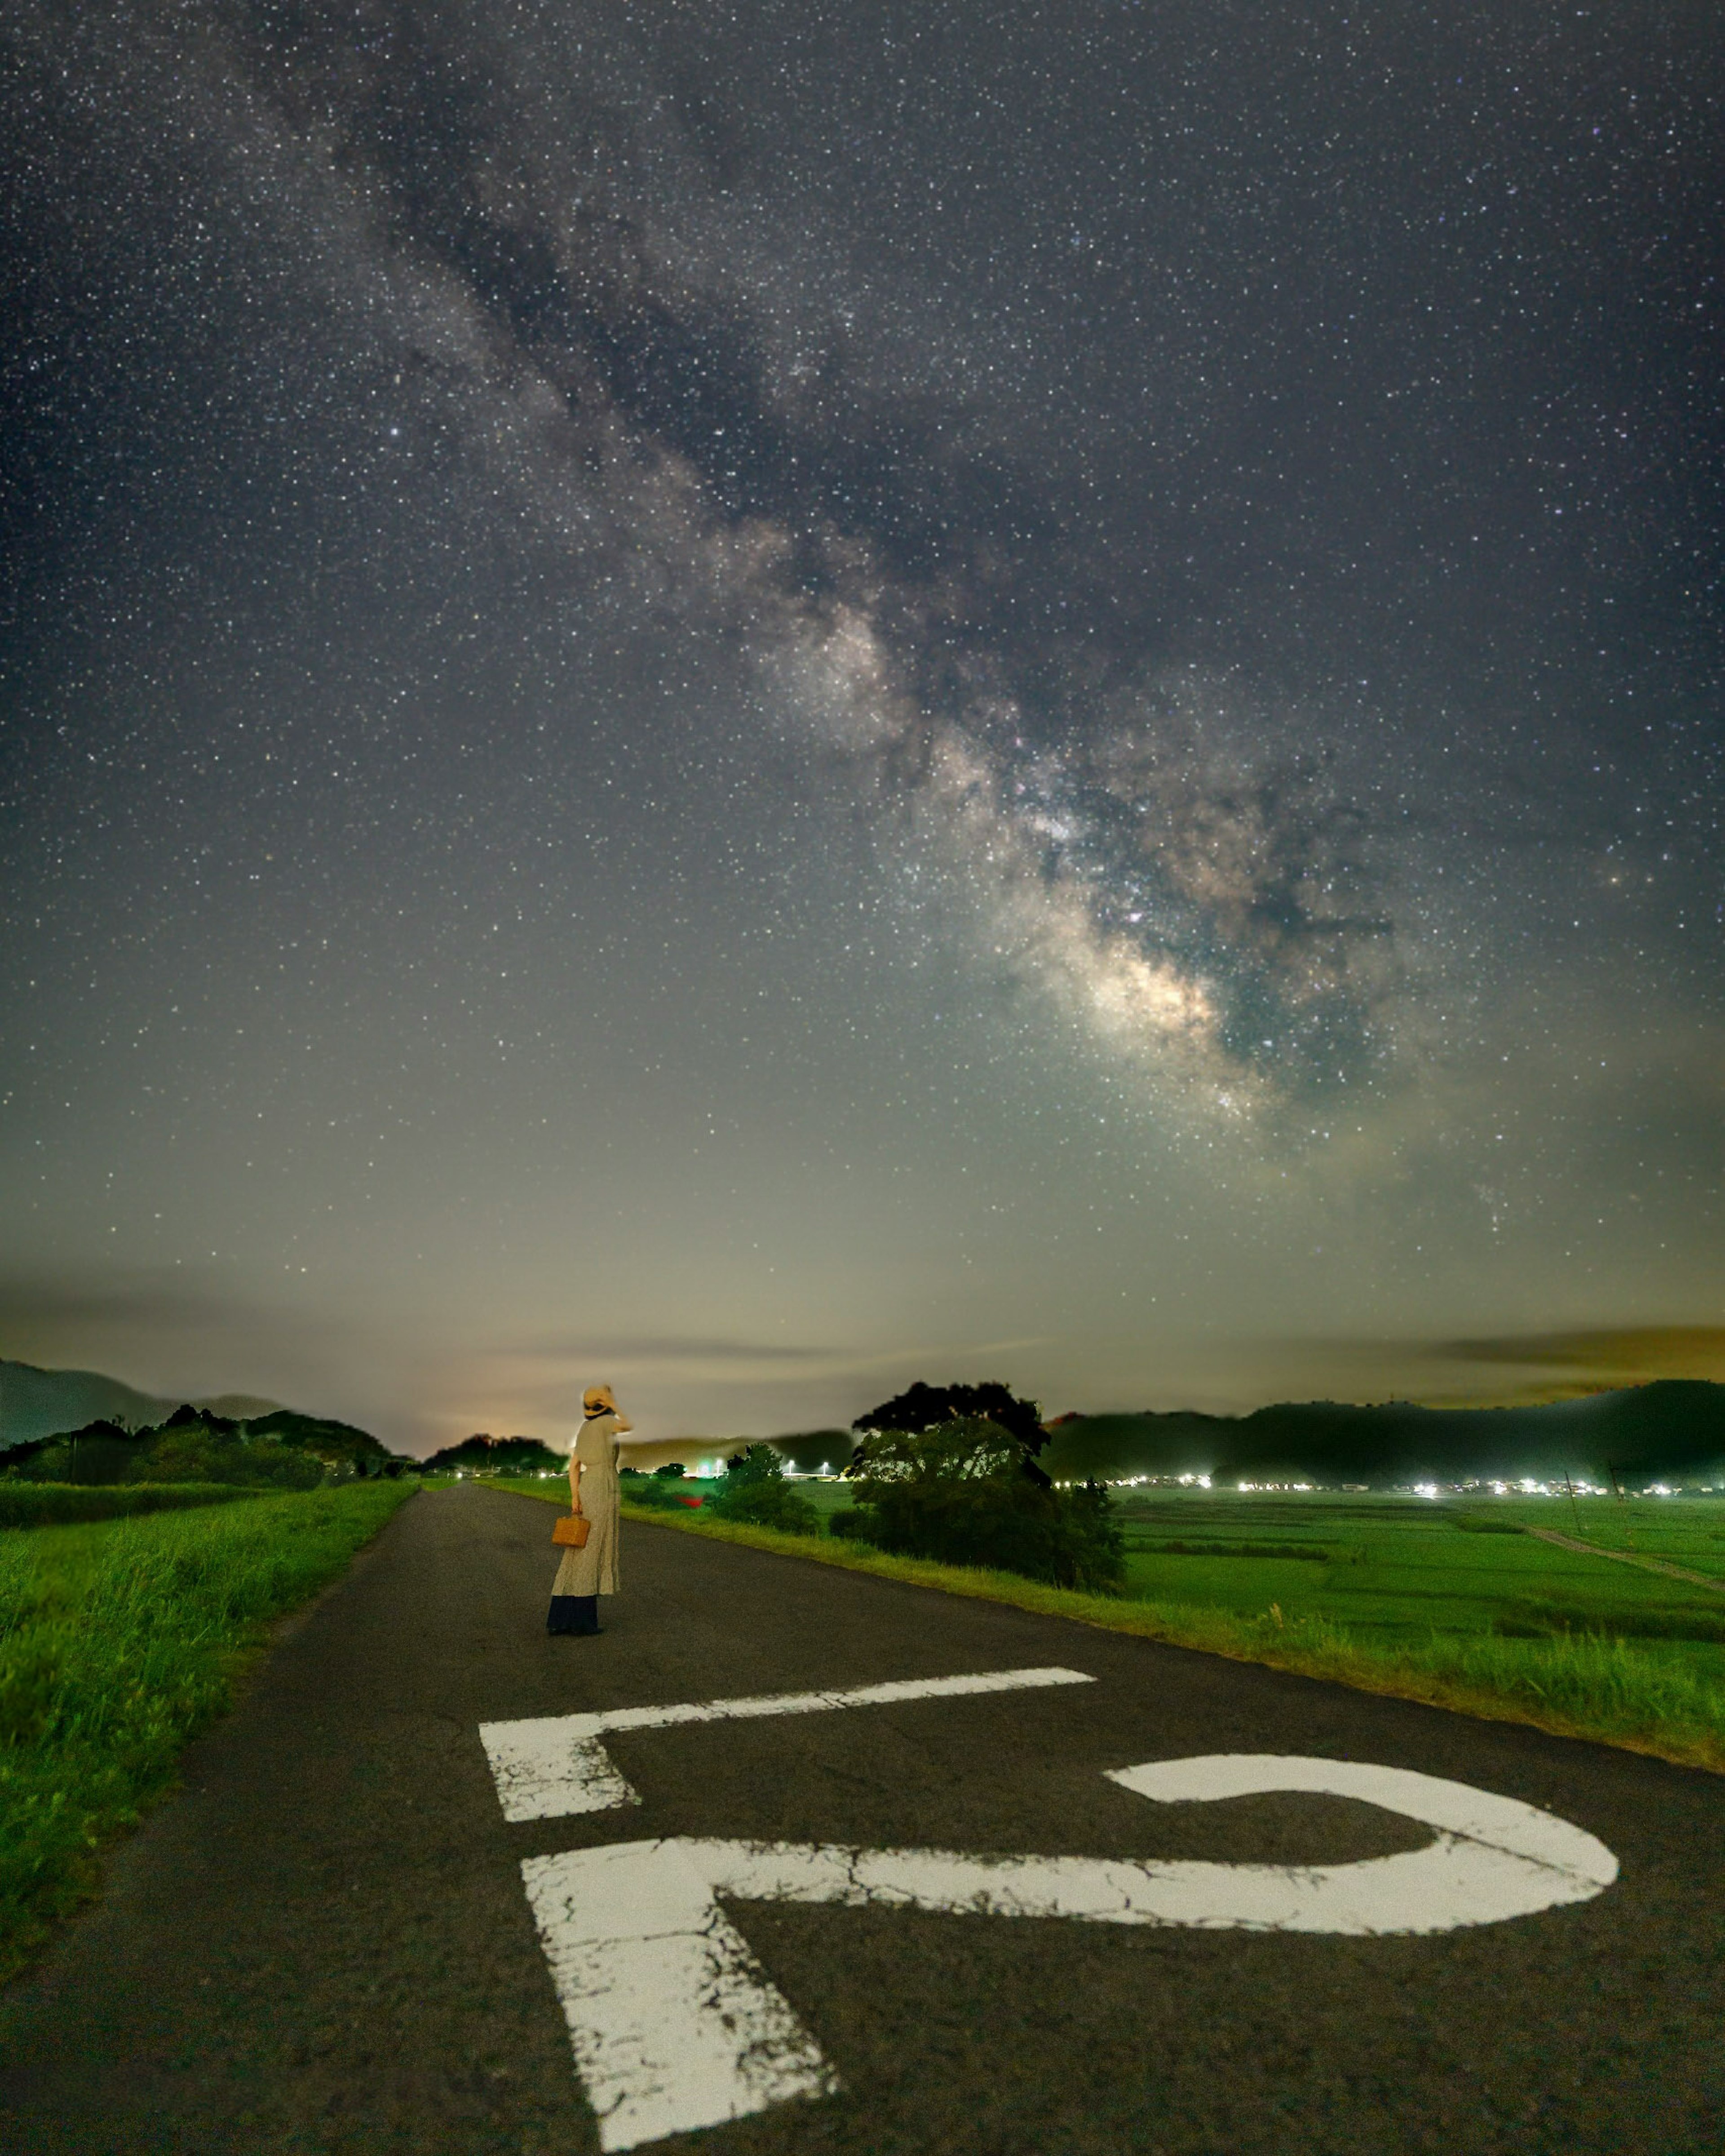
column 362, row 1926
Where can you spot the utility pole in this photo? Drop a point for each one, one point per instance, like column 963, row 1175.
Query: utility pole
column 1617, row 1491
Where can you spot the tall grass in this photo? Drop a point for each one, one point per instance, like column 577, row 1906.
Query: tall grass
column 53, row 1504
column 118, row 1643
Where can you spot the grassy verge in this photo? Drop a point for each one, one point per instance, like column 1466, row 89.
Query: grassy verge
column 119, row 1642
column 53, row 1504
column 1609, row 1690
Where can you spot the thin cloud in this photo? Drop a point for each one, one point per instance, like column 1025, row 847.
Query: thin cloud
column 669, row 1347
column 1643, row 1350
column 189, row 1338
column 27, row 1306
column 630, row 1349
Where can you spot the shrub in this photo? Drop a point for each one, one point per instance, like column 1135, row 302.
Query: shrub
column 656, row 1496
column 1067, row 1538
column 1100, row 1551
column 193, row 1455
column 755, row 1463
column 99, row 1454
column 768, row 1505
column 753, row 1489
column 959, row 1493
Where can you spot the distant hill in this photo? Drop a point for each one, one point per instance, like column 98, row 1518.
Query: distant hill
column 337, row 1444
column 696, row 1455
column 810, row 1450
column 238, row 1407
column 43, row 1403
column 196, row 1444
column 1673, row 1429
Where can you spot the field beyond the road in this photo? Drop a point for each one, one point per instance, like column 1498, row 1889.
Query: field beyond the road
column 1394, row 1570
column 1452, row 1602
column 118, row 1642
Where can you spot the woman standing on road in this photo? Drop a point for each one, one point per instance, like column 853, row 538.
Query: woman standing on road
column 591, row 1571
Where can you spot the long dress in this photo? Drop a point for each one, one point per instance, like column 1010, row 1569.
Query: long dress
column 591, row 1569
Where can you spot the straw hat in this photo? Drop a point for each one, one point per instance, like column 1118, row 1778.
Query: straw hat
column 598, row 1400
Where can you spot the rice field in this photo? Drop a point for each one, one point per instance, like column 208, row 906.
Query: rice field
column 1398, row 1571
column 1395, row 1570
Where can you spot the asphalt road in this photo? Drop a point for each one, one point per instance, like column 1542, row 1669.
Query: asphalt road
column 324, row 1941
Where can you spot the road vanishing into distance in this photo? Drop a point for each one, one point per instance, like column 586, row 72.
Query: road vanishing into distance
column 791, row 1859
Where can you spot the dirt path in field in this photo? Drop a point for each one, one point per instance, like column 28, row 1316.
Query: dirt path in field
column 1628, row 1557
column 326, row 1941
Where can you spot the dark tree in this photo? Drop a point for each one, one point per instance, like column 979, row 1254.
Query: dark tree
column 186, row 1417
column 496, row 1455
column 755, row 1463
column 100, row 1452
column 921, row 1407
column 753, row 1488
column 342, row 1448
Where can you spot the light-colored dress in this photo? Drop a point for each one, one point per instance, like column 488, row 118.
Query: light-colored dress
column 591, row 1569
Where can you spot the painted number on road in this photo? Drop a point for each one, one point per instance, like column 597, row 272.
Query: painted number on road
column 553, row 1766
column 676, row 2026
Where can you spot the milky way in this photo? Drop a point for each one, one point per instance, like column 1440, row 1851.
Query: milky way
column 1089, row 641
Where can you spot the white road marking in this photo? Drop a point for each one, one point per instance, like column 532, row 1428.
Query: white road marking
column 674, row 2027
column 673, row 2024
column 552, row 1765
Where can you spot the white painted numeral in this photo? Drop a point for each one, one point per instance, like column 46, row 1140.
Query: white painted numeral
column 674, row 2024
column 554, row 1765
column 674, row 2027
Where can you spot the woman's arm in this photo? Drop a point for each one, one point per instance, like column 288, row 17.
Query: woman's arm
column 574, row 1484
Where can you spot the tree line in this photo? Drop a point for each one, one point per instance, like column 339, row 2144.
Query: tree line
column 281, row 1451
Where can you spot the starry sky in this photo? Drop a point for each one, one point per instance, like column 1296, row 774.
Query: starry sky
column 763, row 699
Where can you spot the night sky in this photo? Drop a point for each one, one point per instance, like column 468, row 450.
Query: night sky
column 760, row 700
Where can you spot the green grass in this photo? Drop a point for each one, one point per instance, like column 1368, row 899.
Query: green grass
column 118, row 1642
column 1399, row 1570
column 1407, row 1602
column 50, row 1504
